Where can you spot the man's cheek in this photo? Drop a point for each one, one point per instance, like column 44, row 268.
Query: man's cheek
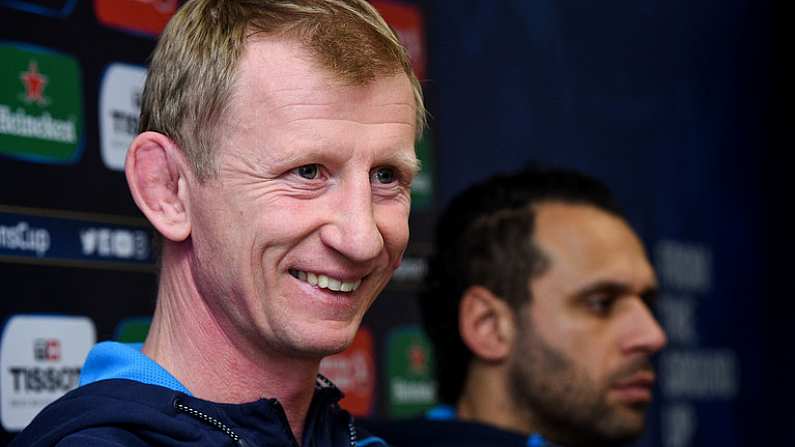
column 398, row 261
column 401, row 250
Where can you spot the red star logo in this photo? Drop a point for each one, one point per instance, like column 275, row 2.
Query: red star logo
column 417, row 358
column 34, row 84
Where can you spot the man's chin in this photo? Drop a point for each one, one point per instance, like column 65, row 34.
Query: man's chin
column 626, row 423
column 323, row 343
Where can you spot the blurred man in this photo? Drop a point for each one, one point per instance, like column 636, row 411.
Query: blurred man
column 275, row 159
column 537, row 302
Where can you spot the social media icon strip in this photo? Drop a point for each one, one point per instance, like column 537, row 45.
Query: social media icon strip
column 63, row 238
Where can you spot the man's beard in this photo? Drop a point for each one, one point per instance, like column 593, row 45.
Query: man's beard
column 564, row 403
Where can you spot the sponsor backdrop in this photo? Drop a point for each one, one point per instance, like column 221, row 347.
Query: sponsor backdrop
column 666, row 101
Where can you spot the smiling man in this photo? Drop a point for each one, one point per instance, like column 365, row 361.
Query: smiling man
column 275, row 158
column 538, row 304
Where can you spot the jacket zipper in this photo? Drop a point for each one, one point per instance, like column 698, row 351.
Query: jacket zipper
column 283, row 418
column 321, row 383
column 352, row 433
column 210, row 420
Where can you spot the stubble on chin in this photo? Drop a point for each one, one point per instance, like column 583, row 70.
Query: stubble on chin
column 564, row 403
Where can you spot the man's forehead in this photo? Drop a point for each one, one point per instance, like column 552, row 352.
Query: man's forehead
column 280, row 64
column 278, row 73
column 583, row 224
column 279, row 61
column 591, row 244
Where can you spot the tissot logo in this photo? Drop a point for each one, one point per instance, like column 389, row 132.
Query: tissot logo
column 57, row 8
column 140, row 16
column 41, row 116
column 119, row 107
column 40, row 360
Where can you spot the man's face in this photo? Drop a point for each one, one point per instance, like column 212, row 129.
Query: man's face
column 581, row 363
column 308, row 217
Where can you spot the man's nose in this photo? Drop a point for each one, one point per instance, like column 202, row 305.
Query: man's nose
column 352, row 230
column 644, row 333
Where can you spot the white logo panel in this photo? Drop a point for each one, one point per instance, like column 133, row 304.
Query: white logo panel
column 40, row 360
column 119, row 107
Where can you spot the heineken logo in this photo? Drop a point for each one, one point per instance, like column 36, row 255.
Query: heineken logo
column 41, row 116
column 410, row 373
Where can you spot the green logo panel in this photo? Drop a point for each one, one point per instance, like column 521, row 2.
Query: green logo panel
column 422, row 188
column 133, row 330
column 410, row 371
column 41, row 116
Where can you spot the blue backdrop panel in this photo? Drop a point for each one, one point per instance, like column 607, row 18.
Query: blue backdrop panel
column 666, row 101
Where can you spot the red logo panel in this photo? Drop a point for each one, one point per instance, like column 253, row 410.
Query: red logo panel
column 353, row 371
column 143, row 16
column 407, row 21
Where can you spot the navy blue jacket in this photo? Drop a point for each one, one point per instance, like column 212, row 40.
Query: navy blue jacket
column 153, row 409
column 440, row 428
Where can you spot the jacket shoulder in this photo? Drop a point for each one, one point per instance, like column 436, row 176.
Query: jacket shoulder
column 442, row 433
column 98, row 415
column 99, row 438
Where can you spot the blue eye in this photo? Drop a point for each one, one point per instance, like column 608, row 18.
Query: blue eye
column 385, row 175
column 309, row 172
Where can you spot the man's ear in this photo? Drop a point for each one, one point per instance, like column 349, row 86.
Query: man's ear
column 486, row 324
column 156, row 172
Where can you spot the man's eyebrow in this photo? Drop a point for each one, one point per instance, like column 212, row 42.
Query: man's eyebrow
column 406, row 162
column 611, row 287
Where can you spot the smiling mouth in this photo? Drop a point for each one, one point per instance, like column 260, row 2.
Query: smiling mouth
column 326, row 282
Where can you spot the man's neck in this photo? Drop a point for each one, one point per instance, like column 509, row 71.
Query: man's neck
column 485, row 399
column 216, row 363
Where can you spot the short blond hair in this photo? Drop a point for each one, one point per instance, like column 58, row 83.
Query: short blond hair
column 195, row 63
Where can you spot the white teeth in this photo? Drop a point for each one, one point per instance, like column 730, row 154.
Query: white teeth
column 326, row 282
column 334, row 284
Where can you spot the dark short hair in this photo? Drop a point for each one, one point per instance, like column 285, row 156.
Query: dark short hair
column 485, row 237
